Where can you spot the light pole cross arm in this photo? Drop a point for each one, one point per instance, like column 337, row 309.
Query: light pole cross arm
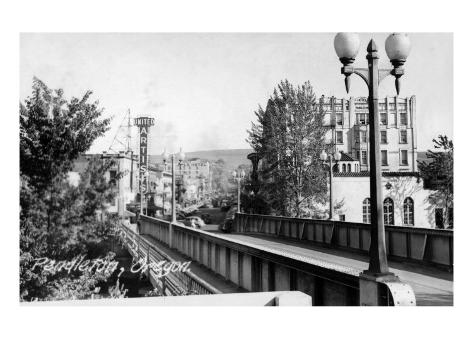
column 364, row 73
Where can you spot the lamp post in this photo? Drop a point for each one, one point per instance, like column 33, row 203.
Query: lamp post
column 238, row 175
column 164, row 194
column 397, row 48
column 166, row 156
column 202, row 188
column 331, row 158
column 252, row 201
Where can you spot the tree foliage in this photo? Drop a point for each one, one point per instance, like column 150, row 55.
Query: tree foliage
column 57, row 219
column 220, row 176
column 289, row 136
column 437, row 173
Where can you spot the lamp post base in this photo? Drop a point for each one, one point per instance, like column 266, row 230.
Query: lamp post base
column 386, row 289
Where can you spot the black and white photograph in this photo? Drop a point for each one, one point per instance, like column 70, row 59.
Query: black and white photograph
column 192, row 172
column 188, row 173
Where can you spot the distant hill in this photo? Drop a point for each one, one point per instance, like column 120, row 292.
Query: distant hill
column 232, row 157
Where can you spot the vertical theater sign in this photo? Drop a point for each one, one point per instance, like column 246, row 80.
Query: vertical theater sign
column 143, row 123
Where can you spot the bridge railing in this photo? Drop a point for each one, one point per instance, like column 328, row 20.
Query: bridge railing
column 431, row 246
column 256, row 268
column 176, row 283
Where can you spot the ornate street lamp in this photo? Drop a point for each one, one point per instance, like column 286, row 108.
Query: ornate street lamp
column 181, row 156
column 397, row 48
column 332, row 160
column 238, row 176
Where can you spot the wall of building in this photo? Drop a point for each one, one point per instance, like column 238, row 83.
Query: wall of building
column 126, row 187
column 348, row 119
column 354, row 189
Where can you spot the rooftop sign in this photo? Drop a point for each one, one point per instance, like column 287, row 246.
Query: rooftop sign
column 144, row 121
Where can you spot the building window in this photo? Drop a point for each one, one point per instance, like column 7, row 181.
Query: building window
column 364, row 157
column 382, row 106
column 384, row 118
column 362, row 118
column 409, row 211
column 392, row 106
column 366, row 211
column 404, row 157
column 327, row 119
column 384, row 157
column 341, row 217
column 363, row 136
column 113, row 177
column 349, row 168
column 339, row 117
column 384, row 137
column 344, row 168
column 403, row 118
column 339, row 137
column 403, row 137
column 388, row 209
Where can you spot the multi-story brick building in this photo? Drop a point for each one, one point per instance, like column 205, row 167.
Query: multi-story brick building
column 348, row 119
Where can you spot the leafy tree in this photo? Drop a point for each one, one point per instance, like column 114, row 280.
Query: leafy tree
column 59, row 220
column 437, row 173
column 289, row 135
column 220, row 176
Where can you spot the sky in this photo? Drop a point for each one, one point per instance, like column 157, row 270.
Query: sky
column 203, row 88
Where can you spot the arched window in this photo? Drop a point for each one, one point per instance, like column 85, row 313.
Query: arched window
column 409, row 211
column 388, row 211
column 349, row 168
column 335, row 168
column 344, row 168
column 366, row 211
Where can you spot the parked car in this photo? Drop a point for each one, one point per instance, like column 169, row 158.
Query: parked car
column 225, row 207
column 180, row 215
column 194, row 222
column 206, row 218
column 227, row 224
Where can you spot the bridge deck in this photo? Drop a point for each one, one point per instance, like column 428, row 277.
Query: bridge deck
column 432, row 287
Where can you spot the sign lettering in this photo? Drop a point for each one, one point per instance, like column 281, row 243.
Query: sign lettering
column 143, row 124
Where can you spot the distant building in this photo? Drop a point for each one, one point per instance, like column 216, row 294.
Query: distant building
column 194, row 168
column 195, row 176
column 349, row 131
column 126, row 187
